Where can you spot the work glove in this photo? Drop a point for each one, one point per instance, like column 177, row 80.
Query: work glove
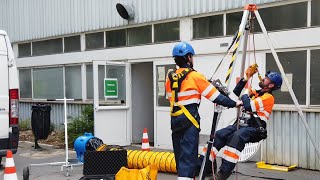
column 252, row 69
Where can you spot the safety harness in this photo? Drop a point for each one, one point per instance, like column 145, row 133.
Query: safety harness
column 176, row 80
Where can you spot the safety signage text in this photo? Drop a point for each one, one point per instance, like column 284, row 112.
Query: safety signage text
column 111, row 88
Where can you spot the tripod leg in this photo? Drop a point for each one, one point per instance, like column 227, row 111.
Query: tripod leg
column 293, row 96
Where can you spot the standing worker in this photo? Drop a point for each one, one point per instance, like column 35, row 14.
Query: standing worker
column 257, row 107
column 184, row 88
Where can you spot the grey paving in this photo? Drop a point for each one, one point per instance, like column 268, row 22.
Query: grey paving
column 27, row 156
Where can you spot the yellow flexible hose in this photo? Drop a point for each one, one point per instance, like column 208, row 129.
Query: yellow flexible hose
column 140, row 159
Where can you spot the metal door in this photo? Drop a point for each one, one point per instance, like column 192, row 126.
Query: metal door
column 112, row 102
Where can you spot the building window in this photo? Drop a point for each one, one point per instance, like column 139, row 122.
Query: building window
column 101, row 80
column 211, row 26
column 283, row 17
column 72, row 43
column 294, row 64
column 46, row 47
column 139, row 35
column 25, row 83
column 116, row 38
column 95, row 40
column 315, row 13
column 233, row 22
column 89, row 74
column 113, row 72
column 48, row 83
column 315, row 77
column 73, row 82
column 24, row 50
column 167, row 31
column 274, row 18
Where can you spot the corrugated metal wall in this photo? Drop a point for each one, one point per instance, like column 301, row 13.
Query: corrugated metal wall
column 57, row 112
column 288, row 142
column 35, row 19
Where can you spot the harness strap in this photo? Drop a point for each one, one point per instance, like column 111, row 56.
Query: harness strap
column 176, row 81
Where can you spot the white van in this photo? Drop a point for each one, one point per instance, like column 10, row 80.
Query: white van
column 9, row 98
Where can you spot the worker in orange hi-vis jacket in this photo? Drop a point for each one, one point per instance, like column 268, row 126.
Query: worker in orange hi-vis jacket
column 257, row 107
column 184, row 87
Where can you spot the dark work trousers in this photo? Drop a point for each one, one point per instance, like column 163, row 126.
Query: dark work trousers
column 185, row 139
column 234, row 138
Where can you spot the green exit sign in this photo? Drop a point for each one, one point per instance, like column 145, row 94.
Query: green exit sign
column 110, row 88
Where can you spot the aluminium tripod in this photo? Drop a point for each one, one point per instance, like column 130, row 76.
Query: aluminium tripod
column 242, row 35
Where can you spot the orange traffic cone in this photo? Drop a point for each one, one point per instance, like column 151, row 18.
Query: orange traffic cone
column 10, row 169
column 145, row 141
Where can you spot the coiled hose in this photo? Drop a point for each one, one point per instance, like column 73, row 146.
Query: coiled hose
column 140, row 159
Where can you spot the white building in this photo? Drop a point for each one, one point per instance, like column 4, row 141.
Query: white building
column 67, row 48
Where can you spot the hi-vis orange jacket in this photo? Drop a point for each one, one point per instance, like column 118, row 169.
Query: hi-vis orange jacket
column 193, row 87
column 256, row 102
column 262, row 104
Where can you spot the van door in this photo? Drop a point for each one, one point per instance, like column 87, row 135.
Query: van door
column 4, row 90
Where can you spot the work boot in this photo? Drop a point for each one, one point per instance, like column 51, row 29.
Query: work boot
column 222, row 175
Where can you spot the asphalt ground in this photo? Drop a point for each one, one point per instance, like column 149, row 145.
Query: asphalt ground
column 26, row 156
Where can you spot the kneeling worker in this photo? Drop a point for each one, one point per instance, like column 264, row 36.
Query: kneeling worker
column 257, row 105
column 184, row 88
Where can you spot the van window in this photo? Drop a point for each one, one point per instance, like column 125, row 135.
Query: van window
column 25, row 83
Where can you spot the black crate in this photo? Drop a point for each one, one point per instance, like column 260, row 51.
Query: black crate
column 104, row 162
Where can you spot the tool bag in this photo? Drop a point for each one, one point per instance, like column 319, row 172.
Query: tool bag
column 148, row 173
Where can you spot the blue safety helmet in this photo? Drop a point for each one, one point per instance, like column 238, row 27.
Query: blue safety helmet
column 182, row 49
column 275, row 78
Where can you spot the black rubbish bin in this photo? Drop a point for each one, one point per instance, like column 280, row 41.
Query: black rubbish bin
column 40, row 122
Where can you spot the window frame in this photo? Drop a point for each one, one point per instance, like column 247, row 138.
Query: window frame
column 165, row 22
column 93, row 49
column 19, row 56
column 277, row 4
column 307, row 93
column 261, row 6
column 49, row 39
column 64, row 46
column 64, row 79
column 31, row 81
column 118, row 29
column 308, row 80
column 83, row 98
column 140, row 44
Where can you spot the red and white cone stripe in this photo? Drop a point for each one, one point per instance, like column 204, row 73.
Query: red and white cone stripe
column 10, row 169
column 145, row 141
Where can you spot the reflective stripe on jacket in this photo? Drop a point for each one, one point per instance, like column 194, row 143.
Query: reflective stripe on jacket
column 262, row 104
column 192, row 87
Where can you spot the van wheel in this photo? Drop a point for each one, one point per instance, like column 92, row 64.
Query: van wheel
column 25, row 173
